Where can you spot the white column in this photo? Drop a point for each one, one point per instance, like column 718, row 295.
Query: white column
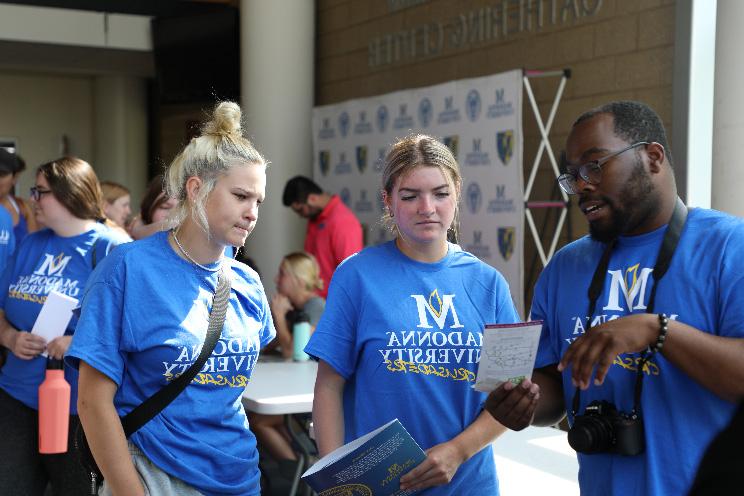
column 728, row 121
column 120, row 133
column 277, row 40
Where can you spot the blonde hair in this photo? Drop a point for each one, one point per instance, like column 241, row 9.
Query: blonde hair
column 420, row 150
column 305, row 268
column 220, row 147
column 113, row 191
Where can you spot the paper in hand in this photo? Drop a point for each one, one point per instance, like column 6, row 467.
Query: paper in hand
column 54, row 316
column 508, row 354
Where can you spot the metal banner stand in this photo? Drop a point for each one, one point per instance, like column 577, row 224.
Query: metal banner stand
column 544, row 128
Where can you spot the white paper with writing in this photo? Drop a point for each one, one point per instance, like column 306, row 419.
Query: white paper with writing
column 508, row 354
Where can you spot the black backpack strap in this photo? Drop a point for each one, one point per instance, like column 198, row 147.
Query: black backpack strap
column 153, row 405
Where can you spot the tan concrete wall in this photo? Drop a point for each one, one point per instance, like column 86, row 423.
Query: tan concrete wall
column 624, row 50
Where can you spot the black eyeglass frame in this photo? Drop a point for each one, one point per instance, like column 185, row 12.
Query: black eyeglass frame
column 37, row 193
column 568, row 181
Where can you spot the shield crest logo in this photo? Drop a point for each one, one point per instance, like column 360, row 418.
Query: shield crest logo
column 324, row 159
column 506, row 242
column 361, row 158
column 451, row 142
column 505, row 145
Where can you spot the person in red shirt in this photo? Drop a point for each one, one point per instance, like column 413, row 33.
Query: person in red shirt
column 333, row 231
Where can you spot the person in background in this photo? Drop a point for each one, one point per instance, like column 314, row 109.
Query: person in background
column 67, row 199
column 333, row 231
column 116, row 201
column 154, row 210
column 296, row 284
column 7, row 238
column 689, row 353
column 146, row 313
column 11, row 167
column 401, row 332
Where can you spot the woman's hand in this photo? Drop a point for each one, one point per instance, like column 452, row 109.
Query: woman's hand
column 25, row 345
column 280, row 305
column 58, row 347
column 442, row 461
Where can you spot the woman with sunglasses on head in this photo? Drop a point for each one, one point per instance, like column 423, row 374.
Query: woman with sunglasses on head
column 401, row 332
column 144, row 320
column 67, row 199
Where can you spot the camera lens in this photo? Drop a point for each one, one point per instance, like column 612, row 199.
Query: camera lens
column 590, row 435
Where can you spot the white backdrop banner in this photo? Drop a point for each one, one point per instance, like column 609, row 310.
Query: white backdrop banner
column 479, row 119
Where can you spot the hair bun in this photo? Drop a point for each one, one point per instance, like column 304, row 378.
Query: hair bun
column 225, row 120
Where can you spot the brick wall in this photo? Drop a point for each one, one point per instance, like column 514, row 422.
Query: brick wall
column 616, row 49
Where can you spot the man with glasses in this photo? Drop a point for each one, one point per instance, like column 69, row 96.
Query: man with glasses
column 643, row 320
column 333, row 231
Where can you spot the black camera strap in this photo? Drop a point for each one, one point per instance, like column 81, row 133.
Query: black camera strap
column 663, row 259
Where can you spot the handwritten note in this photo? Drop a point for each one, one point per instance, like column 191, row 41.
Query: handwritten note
column 508, row 354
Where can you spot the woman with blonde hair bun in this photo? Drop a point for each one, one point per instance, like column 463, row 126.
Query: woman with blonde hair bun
column 144, row 321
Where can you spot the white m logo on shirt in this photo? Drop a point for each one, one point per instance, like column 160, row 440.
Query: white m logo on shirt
column 440, row 315
column 53, row 266
column 634, row 297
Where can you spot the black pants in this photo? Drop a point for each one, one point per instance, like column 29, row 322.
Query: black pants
column 23, row 470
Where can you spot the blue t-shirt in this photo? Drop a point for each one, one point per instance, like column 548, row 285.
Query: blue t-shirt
column 406, row 336
column 44, row 262
column 703, row 288
column 7, row 238
column 144, row 318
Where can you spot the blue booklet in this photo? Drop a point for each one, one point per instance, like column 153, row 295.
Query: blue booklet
column 370, row 465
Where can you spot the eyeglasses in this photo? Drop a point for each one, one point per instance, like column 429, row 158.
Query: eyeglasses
column 37, row 193
column 590, row 172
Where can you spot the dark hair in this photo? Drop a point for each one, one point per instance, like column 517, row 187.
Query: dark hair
column 633, row 122
column 75, row 185
column 298, row 189
column 154, row 197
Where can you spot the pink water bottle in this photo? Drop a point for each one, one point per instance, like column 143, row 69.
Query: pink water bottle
column 54, row 409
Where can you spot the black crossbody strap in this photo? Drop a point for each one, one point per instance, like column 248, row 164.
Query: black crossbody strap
column 153, row 405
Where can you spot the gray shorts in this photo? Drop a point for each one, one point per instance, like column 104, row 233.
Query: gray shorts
column 155, row 481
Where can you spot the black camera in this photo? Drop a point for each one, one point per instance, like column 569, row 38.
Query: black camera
column 602, row 429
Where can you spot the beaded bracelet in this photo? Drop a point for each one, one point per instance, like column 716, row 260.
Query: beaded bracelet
column 663, row 329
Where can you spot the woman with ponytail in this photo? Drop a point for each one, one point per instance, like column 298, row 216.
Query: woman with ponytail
column 144, row 320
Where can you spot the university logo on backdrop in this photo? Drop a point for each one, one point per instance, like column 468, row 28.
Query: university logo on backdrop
column 473, row 105
column 343, row 123
column 326, row 131
column 450, row 113
column 506, row 242
column 382, row 117
column 477, row 248
column 403, row 121
column 425, row 112
column 324, row 160
column 53, row 266
column 505, row 145
column 361, row 158
column 438, row 308
column 476, row 156
column 452, row 142
column 363, row 126
column 345, row 196
column 500, row 107
column 473, row 197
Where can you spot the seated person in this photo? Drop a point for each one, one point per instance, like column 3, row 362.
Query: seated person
column 296, row 283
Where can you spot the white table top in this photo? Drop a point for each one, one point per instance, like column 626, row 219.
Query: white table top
column 280, row 388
